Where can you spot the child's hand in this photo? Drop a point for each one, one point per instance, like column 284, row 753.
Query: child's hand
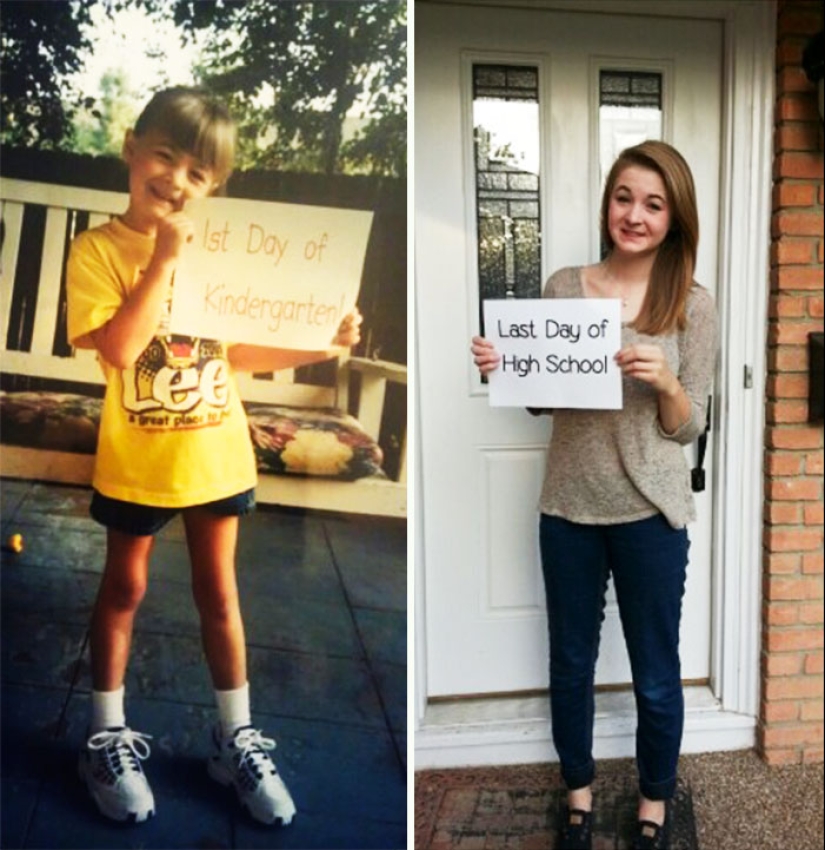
column 484, row 354
column 349, row 331
column 174, row 231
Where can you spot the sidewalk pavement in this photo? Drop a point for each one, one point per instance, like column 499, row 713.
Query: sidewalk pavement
column 724, row 801
column 324, row 601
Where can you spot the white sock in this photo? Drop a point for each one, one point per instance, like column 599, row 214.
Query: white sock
column 107, row 709
column 233, row 709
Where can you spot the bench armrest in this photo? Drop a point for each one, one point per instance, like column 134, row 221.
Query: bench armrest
column 374, row 377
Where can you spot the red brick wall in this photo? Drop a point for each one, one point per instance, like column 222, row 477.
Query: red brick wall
column 790, row 723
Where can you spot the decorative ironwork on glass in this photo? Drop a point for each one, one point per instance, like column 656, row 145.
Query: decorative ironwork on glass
column 630, row 88
column 630, row 111
column 506, row 147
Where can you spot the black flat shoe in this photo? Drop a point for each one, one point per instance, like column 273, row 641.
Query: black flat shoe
column 577, row 830
column 652, row 836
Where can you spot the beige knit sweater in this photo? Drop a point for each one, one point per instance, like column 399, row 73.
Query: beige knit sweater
column 612, row 466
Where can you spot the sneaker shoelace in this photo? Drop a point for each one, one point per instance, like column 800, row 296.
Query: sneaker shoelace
column 252, row 752
column 123, row 749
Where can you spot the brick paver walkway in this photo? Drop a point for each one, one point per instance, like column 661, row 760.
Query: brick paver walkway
column 518, row 808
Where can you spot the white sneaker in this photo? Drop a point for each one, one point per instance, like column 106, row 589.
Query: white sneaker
column 110, row 766
column 242, row 760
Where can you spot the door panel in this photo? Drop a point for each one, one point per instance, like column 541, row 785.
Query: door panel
column 482, row 467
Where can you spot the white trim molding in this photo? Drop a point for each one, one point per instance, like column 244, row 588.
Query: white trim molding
column 721, row 716
column 750, row 35
column 517, row 731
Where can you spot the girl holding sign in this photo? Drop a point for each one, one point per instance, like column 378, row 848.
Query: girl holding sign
column 173, row 438
column 617, row 495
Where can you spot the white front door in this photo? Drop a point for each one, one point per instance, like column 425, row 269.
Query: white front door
column 481, row 468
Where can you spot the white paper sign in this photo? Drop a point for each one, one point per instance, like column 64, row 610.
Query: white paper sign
column 555, row 352
column 278, row 275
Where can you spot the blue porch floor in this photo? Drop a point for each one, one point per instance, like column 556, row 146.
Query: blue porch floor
column 324, row 601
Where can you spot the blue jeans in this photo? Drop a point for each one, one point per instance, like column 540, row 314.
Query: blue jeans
column 648, row 561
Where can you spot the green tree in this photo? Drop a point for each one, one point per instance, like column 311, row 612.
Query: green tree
column 292, row 72
column 40, row 43
column 101, row 130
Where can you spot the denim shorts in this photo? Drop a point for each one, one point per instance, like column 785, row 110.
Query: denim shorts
column 145, row 520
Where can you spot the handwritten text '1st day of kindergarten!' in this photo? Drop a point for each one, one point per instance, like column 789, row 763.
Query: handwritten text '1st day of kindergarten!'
column 555, row 352
column 271, row 274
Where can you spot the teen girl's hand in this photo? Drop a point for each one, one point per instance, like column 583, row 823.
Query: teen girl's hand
column 648, row 363
column 349, row 331
column 485, row 355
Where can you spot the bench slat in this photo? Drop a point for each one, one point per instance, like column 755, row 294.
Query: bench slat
column 371, row 405
column 48, row 290
column 13, row 222
column 83, row 369
column 293, row 395
column 402, row 469
column 70, row 197
column 365, row 496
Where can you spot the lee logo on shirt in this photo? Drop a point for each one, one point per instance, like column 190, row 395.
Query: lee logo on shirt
column 177, row 375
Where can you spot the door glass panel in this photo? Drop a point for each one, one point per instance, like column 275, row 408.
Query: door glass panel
column 630, row 111
column 506, row 157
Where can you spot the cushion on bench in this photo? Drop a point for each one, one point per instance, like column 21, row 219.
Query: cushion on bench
column 46, row 420
column 287, row 440
column 312, row 441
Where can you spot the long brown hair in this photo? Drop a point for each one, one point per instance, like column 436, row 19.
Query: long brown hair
column 671, row 277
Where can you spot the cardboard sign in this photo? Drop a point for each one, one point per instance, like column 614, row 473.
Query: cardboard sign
column 277, row 275
column 555, row 352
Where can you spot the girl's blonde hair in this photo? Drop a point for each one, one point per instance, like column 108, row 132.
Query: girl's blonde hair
column 195, row 122
column 671, row 278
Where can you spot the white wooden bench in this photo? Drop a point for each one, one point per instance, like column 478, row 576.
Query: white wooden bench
column 371, row 495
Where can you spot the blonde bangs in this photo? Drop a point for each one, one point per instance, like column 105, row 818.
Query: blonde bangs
column 214, row 145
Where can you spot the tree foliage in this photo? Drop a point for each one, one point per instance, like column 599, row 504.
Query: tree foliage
column 293, row 72
column 102, row 128
column 315, row 86
column 41, row 42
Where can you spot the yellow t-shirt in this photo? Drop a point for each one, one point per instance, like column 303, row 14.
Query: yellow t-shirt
column 173, row 431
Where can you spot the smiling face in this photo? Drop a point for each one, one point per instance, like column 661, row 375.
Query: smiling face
column 161, row 179
column 638, row 214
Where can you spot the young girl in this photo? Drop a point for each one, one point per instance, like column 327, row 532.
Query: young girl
column 624, row 512
column 153, row 463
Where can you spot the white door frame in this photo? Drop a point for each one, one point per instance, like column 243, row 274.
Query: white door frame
column 723, row 715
